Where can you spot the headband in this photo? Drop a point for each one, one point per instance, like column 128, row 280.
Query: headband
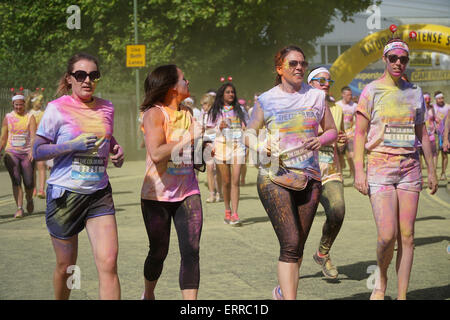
column 426, row 95
column 395, row 45
column 440, row 95
column 18, row 97
column 188, row 100
column 315, row 72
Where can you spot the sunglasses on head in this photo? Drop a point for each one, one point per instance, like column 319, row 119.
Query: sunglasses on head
column 80, row 75
column 393, row 58
column 323, row 80
column 295, row 63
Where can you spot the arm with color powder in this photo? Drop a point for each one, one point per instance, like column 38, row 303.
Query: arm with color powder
column 155, row 139
column 446, row 143
column 32, row 130
column 362, row 125
column 44, row 149
column 422, row 135
column 255, row 123
column 4, row 135
column 329, row 135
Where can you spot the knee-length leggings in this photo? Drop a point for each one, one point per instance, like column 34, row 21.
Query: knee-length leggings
column 18, row 166
column 291, row 214
column 188, row 220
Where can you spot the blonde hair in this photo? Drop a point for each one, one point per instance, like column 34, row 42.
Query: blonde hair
column 208, row 98
column 37, row 97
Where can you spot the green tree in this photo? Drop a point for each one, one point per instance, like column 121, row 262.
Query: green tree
column 206, row 38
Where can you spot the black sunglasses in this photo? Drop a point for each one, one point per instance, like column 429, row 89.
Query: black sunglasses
column 295, row 63
column 80, row 75
column 393, row 59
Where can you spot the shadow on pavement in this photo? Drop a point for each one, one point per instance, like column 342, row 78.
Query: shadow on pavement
column 436, row 293
column 431, row 218
column 254, row 220
column 428, row 240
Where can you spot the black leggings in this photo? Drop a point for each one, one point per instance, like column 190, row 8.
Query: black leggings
column 188, row 219
column 332, row 200
column 291, row 213
column 18, row 166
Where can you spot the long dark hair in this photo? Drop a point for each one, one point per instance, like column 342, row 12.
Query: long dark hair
column 280, row 55
column 63, row 85
column 218, row 104
column 157, row 84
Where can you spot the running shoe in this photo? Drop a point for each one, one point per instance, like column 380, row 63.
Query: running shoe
column 227, row 219
column 443, row 177
column 211, row 198
column 19, row 213
column 218, row 197
column 235, row 221
column 328, row 269
column 277, row 294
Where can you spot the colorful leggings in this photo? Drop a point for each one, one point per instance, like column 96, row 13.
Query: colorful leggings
column 291, row 213
column 188, row 219
column 18, row 166
column 332, row 199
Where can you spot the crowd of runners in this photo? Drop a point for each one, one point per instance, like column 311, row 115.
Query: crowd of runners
column 296, row 133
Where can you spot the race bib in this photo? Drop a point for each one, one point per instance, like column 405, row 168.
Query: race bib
column 18, row 140
column 179, row 169
column 400, row 136
column 326, row 154
column 293, row 158
column 88, row 167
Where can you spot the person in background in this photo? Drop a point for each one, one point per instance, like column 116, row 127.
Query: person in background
column 212, row 175
column 441, row 110
column 17, row 138
column 33, row 104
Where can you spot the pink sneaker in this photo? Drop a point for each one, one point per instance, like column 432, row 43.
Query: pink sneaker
column 235, row 221
column 227, row 219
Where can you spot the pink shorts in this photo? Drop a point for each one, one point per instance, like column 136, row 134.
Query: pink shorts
column 394, row 171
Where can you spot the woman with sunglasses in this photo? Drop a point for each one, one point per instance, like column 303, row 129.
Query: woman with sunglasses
column 332, row 197
column 292, row 112
column 390, row 116
column 77, row 131
column 230, row 119
column 17, row 136
column 170, row 189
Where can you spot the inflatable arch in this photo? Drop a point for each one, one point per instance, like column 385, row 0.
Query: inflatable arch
column 429, row 37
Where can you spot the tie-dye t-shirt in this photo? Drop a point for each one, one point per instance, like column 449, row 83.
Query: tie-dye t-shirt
column 441, row 114
column 37, row 115
column 18, row 133
column 291, row 118
column 393, row 113
column 65, row 119
column 349, row 111
column 175, row 179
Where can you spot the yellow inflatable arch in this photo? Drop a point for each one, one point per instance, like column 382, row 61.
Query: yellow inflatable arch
column 429, row 37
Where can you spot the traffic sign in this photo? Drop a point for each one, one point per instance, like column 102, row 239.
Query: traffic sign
column 136, row 55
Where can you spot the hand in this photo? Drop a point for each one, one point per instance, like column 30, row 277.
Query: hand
column 118, row 156
column 432, row 182
column 312, row 144
column 30, row 156
column 361, row 182
column 83, row 142
column 342, row 137
column 446, row 145
column 223, row 124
